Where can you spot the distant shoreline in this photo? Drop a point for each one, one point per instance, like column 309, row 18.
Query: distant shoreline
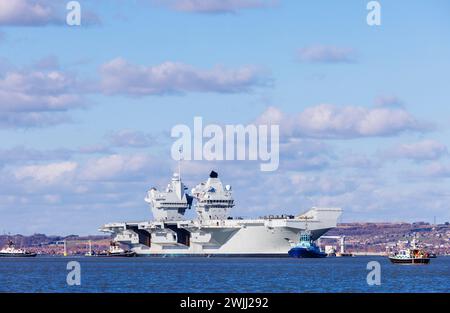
column 360, row 238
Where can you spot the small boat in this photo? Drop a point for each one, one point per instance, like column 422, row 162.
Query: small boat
column 306, row 248
column 11, row 251
column 413, row 255
column 116, row 251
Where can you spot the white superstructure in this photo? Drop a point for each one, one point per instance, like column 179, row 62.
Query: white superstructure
column 213, row 200
column 171, row 204
column 214, row 232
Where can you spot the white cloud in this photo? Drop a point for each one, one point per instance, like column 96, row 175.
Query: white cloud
column 358, row 161
column 32, row 119
column 52, row 199
column 216, row 6
column 23, row 83
column 23, row 154
column 46, row 174
column 321, row 185
column 437, row 169
column 39, row 13
column 342, row 122
column 121, row 77
column 131, row 138
column 28, row 13
column 422, row 150
column 117, row 167
column 95, row 148
column 326, row 54
column 388, row 101
column 49, row 62
column 42, row 95
column 305, row 155
column 29, row 95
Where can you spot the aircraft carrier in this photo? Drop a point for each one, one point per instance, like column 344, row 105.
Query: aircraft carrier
column 214, row 232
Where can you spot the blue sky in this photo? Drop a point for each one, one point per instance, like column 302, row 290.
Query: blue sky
column 85, row 112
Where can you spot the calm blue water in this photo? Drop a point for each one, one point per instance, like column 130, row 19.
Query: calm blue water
column 48, row 274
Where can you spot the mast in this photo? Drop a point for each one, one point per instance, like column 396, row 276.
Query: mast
column 179, row 162
column 305, row 233
column 306, row 218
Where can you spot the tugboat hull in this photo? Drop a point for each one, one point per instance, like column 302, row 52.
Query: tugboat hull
column 306, row 253
column 410, row 261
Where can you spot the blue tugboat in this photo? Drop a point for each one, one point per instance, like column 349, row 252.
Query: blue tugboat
column 306, row 248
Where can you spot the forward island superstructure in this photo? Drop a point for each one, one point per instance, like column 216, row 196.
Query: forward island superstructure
column 214, row 232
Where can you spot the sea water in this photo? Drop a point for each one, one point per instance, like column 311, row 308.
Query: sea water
column 188, row 274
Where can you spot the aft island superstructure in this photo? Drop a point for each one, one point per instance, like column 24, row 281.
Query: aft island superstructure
column 214, row 232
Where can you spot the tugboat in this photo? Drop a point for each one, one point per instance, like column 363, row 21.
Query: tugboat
column 413, row 255
column 116, row 251
column 11, row 251
column 306, row 248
